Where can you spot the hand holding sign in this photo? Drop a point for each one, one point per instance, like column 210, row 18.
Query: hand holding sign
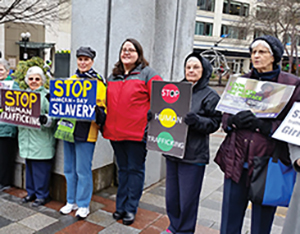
column 262, row 126
column 100, row 115
column 191, row 118
column 149, row 115
column 43, row 119
column 242, row 120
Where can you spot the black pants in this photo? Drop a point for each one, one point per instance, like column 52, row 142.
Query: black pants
column 38, row 173
column 131, row 156
column 235, row 202
column 183, row 187
column 8, row 151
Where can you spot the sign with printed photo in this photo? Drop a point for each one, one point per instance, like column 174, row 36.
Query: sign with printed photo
column 289, row 129
column 20, row 108
column 265, row 99
column 73, row 98
column 170, row 102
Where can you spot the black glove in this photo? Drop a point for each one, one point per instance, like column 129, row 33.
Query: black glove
column 149, row 115
column 262, row 126
column 43, row 119
column 242, row 120
column 191, row 118
column 100, row 115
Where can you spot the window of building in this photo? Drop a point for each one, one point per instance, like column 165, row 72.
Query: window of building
column 264, row 13
column 233, row 32
column 235, row 8
column 203, row 29
column 206, row 5
column 260, row 32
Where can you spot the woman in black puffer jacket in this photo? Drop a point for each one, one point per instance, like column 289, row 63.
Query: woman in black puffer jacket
column 185, row 176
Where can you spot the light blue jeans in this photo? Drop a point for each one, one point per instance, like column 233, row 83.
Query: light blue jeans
column 78, row 158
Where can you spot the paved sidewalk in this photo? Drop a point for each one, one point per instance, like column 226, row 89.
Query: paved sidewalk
column 150, row 219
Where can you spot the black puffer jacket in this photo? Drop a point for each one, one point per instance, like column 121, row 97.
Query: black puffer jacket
column 204, row 101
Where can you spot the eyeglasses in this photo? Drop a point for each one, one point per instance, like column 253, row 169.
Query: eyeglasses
column 130, row 50
column 260, row 52
column 34, row 78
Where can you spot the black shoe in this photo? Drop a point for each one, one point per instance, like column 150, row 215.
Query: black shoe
column 118, row 215
column 28, row 198
column 40, row 202
column 128, row 218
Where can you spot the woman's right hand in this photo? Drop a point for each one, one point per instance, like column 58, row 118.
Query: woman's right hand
column 242, row 120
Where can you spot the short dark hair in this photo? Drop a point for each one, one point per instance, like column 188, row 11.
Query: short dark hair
column 119, row 69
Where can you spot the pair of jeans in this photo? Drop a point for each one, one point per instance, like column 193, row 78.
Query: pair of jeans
column 183, row 187
column 235, row 202
column 131, row 157
column 78, row 158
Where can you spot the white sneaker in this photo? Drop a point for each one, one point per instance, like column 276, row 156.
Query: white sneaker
column 68, row 208
column 82, row 212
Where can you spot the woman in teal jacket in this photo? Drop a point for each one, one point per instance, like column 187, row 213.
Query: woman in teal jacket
column 37, row 146
column 8, row 137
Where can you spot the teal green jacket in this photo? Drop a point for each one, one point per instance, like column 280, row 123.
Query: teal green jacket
column 7, row 130
column 38, row 144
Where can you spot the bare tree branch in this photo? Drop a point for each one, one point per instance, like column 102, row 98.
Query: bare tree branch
column 40, row 11
column 280, row 18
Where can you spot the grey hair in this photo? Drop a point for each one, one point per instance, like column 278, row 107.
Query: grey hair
column 263, row 43
column 35, row 70
column 5, row 64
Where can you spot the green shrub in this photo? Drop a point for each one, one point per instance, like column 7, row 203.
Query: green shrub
column 22, row 68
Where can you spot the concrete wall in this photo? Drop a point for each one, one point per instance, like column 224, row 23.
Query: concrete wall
column 164, row 28
column 2, row 40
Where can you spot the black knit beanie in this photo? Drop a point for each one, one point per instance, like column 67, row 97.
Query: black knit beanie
column 275, row 45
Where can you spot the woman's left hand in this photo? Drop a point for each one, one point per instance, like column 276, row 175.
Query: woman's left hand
column 191, row 118
column 100, row 115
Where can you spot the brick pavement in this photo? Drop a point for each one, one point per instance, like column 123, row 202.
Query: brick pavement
column 24, row 219
column 151, row 217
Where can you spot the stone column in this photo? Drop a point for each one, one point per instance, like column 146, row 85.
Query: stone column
column 165, row 29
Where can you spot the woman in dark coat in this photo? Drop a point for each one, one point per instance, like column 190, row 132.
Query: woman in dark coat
column 185, row 176
column 249, row 136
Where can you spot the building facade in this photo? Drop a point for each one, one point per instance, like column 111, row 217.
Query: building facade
column 43, row 41
column 216, row 28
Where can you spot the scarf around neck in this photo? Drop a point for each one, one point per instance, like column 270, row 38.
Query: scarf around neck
column 268, row 76
column 90, row 74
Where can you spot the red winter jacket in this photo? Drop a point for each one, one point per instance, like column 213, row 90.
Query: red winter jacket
column 241, row 145
column 128, row 101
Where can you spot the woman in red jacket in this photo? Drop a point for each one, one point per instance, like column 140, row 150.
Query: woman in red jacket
column 128, row 101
